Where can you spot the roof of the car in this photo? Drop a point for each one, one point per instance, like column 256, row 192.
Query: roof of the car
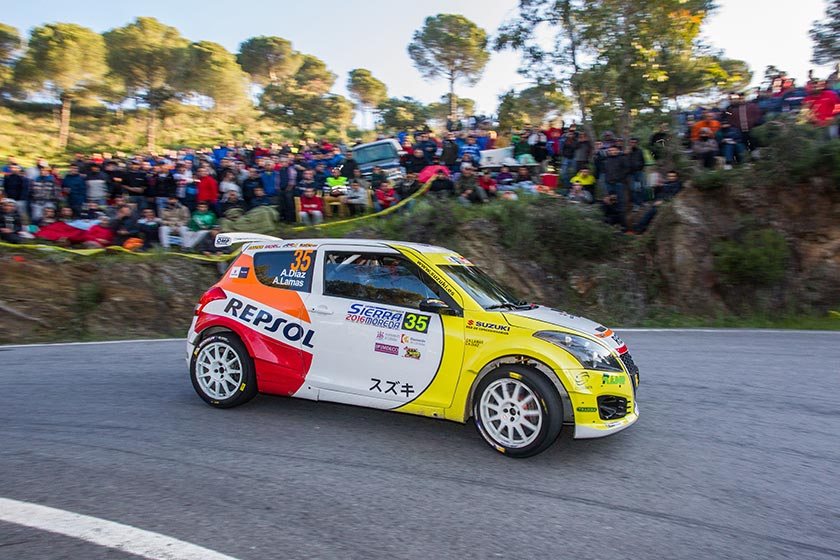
column 315, row 243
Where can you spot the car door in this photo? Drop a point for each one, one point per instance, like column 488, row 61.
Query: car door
column 376, row 348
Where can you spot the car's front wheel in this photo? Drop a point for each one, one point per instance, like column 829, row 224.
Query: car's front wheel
column 222, row 372
column 517, row 411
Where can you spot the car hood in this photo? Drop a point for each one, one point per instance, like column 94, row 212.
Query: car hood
column 553, row 318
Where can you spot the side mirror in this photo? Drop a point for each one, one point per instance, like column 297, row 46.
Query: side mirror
column 434, row 305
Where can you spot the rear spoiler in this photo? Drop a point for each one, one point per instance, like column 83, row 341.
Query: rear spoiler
column 228, row 239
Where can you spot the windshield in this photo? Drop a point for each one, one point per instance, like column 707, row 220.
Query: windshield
column 376, row 152
column 484, row 290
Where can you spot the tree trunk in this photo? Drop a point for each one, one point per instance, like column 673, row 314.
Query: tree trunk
column 452, row 107
column 64, row 126
column 151, row 122
column 576, row 88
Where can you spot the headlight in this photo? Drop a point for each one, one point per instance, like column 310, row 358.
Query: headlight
column 589, row 353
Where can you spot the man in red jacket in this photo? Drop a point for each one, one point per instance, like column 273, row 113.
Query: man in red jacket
column 311, row 208
column 823, row 106
column 386, row 196
column 208, row 188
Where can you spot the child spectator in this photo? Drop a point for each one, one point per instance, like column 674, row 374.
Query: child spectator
column 311, row 208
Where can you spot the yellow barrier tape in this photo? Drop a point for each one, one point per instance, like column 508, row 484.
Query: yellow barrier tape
column 89, row 252
column 385, row 212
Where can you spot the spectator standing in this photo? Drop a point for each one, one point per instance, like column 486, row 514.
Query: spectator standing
column 416, row 161
column 615, row 174
column 823, row 106
column 208, row 188
column 349, row 165
column 729, row 141
column 134, row 184
column 583, row 152
column 97, row 184
column 76, row 189
column 471, row 148
column 635, row 172
column 743, row 117
column 709, row 122
column 42, row 193
column 440, row 185
column 449, row 153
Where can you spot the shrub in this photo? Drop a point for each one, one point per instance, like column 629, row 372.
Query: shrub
column 711, row 180
column 759, row 258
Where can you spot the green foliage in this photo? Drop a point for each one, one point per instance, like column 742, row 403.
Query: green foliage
column 365, row 88
column 10, row 44
column 618, row 56
column 796, row 152
column 759, row 258
column 269, row 60
column 452, row 47
column 826, row 35
column 464, row 106
column 313, row 76
column 402, row 114
column 554, row 233
column 713, row 180
column 532, row 106
column 212, row 71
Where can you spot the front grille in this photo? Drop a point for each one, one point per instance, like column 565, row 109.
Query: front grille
column 612, row 408
column 632, row 368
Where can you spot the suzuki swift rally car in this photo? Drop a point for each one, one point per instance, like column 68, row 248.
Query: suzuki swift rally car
column 410, row 328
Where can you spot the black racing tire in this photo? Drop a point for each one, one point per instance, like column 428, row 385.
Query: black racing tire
column 517, row 411
column 222, row 371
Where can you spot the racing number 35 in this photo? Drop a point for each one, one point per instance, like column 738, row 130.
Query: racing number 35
column 303, row 260
column 415, row 322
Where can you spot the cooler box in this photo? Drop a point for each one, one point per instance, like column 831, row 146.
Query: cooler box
column 549, row 180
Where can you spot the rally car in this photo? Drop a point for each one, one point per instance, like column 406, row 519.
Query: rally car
column 405, row 327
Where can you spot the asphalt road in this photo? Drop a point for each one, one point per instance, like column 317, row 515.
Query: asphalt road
column 736, row 455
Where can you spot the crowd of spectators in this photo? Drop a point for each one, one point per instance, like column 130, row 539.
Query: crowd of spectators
column 186, row 196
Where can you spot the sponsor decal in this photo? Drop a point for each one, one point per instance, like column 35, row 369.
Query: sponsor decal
column 239, row 272
column 392, row 337
column 255, row 247
column 413, row 340
column 436, row 277
column 586, row 409
column 308, row 245
column 391, row 387
column 386, row 349
column 289, row 244
column 222, row 240
column 582, row 379
column 487, row 327
column 473, row 342
column 375, row 316
column 458, row 259
column 609, row 379
column 416, row 322
column 266, row 321
column 413, row 353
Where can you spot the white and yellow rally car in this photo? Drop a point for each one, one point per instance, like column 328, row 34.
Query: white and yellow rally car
column 410, row 328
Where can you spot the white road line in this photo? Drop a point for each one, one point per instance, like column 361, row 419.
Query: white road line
column 58, row 344
column 104, row 533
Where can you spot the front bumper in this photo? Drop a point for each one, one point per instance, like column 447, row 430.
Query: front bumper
column 591, row 431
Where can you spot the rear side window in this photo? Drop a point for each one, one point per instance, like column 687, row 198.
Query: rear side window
column 288, row 270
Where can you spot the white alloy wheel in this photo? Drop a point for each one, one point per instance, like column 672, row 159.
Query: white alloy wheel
column 510, row 413
column 218, row 370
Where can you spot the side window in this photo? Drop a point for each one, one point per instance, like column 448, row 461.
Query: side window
column 289, row 270
column 381, row 278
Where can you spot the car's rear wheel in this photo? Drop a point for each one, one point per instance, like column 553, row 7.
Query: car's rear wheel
column 222, row 372
column 517, row 411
